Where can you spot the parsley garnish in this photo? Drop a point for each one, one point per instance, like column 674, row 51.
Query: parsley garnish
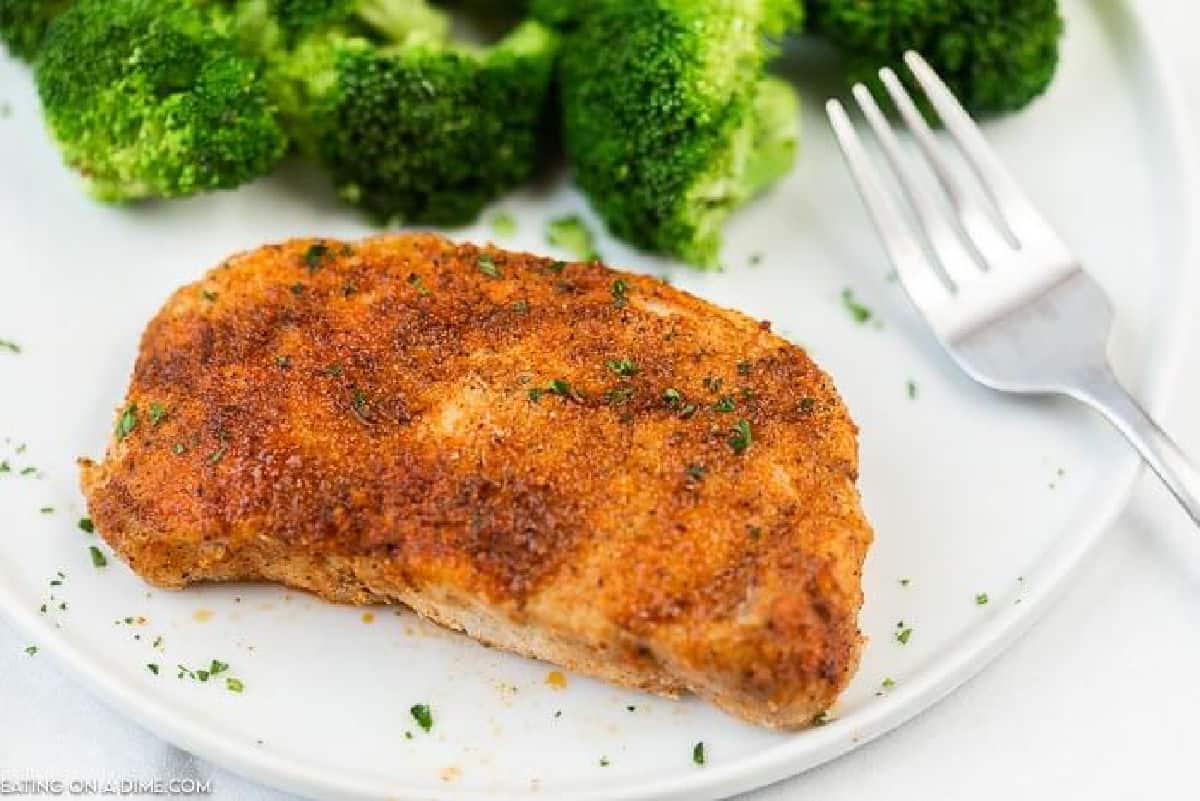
column 622, row 367
column 360, row 405
column 903, row 635
column 604, row 763
column 672, row 397
column 157, row 413
column 572, row 235
column 695, row 472
column 86, row 524
column 152, row 667
column 725, row 404
column 888, row 683
column 417, row 283
column 912, row 389
column 47, row 510
column 334, row 370
column 234, row 685
column 31, row 649
column 618, row 396
column 698, row 753
column 487, row 265
column 620, row 292
column 858, row 312
column 10, row 346
column 821, row 719
column 687, row 411
column 904, row 582
column 981, row 598
column 297, row 288
column 127, row 422
column 179, row 449
column 743, row 368
column 209, row 295
column 556, row 266
column 217, row 455
column 520, row 306
column 315, row 256
column 806, row 405
column 535, row 394
column 741, row 439
column 504, row 224
column 98, row 558
column 28, row 471
column 422, row 715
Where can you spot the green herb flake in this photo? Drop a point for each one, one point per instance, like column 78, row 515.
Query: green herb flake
column 422, row 715
column 888, row 683
column 743, row 368
column 535, row 394
column 47, row 510
column 712, row 384
column 152, row 667
column 604, row 763
column 981, row 599
column 806, row 405
column 217, row 455
column 903, row 635
column 756, row 259
column 297, row 289
column 556, row 267
column 127, row 422
column 904, row 582
column 157, row 413
column 28, row 471
column 31, row 650
column 620, row 293
column 622, row 367
column 504, row 224
column 520, row 306
column 283, row 362
column 209, row 295
column 618, row 396
column 217, row 666
column 696, row 472
column 698, row 755
column 348, row 289
column 672, row 397
column 822, row 719
column 86, row 524
column 98, row 558
column 858, row 312
column 572, row 235
column 10, row 346
column 314, row 257
column 5, row 467
column 179, row 449
column 360, row 404
column 417, row 283
column 487, row 265
column 911, row 387
column 687, row 411
column 725, row 404
column 741, row 438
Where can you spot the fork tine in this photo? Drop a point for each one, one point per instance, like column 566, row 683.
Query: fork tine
column 956, row 260
column 916, row 275
column 982, row 232
column 1021, row 216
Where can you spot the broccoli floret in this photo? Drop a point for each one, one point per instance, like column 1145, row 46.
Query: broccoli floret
column 669, row 120
column 413, row 127
column 146, row 100
column 23, row 24
column 997, row 55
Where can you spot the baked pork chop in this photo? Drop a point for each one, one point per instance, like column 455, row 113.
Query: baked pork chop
column 576, row 464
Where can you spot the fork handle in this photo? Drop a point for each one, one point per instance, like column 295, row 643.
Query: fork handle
column 1101, row 390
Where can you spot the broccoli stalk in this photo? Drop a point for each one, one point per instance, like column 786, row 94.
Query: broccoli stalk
column 23, row 23
column 669, row 120
column 996, row 55
column 146, row 100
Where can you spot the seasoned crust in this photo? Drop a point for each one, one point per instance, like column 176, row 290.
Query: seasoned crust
column 357, row 420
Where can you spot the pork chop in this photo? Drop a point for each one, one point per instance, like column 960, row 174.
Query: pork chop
column 562, row 460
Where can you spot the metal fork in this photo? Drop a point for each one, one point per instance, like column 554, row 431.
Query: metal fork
column 1004, row 295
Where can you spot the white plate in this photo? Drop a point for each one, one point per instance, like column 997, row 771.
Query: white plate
column 964, row 486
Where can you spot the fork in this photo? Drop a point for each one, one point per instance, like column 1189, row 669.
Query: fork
column 1004, row 295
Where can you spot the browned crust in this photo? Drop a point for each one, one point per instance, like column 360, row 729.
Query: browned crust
column 356, row 420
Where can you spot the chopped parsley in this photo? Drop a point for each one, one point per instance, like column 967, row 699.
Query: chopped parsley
column 822, row 719
column 698, row 755
column 360, row 404
column 556, row 267
column 604, row 763
column 572, row 235
column 86, row 524
column 217, row 455
column 725, row 404
column 911, row 387
column 672, row 397
column 535, row 394
column 179, row 449
column 903, row 635
column 487, row 265
column 127, row 422
column 520, row 306
column 618, row 396
column 10, row 346
column 5, row 467
column 297, row 289
column 696, row 472
column 283, row 362
column 981, row 598
column 561, row 388
column 314, row 257
column 741, row 438
column 743, row 368
column 622, row 367
column 209, row 295
column 504, row 224
column 31, row 650
column 98, row 558
column 422, row 715
column 234, row 685
column 756, row 259
column 888, row 683
column 620, row 293
column 47, row 510
column 687, row 411
column 712, row 384
column 28, row 471
column 417, row 283
column 152, row 667
column 858, row 312
column 806, row 405
column 904, row 582
column 157, row 413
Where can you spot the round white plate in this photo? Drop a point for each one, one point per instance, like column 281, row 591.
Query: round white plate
column 969, row 492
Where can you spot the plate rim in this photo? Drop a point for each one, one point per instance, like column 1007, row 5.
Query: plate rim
column 926, row 687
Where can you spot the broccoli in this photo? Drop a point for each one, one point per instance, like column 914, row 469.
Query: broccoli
column 146, row 100
column 997, row 55
column 23, row 24
column 412, row 127
column 669, row 120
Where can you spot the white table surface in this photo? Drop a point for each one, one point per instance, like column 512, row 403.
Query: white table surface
column 1099, row 701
